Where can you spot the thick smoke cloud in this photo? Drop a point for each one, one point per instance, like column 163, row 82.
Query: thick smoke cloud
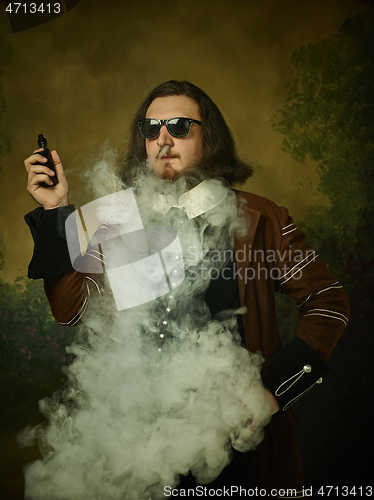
column 158, row 389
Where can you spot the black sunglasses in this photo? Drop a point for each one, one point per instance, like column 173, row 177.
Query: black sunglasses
column 177, row 127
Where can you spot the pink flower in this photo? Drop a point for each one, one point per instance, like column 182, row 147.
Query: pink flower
column 28, row 327
column 23, row 351
column 47, row 337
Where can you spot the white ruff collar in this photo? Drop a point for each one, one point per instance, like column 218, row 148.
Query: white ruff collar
column 201, row 198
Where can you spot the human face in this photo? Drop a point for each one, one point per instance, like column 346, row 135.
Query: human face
column 183, row 152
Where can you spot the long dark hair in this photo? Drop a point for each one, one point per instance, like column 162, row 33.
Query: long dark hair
column 220, row 158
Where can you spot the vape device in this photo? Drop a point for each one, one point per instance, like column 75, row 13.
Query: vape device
column 42, row 143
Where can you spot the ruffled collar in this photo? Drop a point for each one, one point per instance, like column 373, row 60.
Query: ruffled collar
column 198, row 200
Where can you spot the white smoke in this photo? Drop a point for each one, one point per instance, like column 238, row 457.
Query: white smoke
column 157, row 390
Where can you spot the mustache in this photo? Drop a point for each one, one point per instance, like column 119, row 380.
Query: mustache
column 159, row 153
column 162, row 151
column 166, row 151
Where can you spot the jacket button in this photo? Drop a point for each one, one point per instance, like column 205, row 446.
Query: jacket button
column 319, row 381
column 307, row 368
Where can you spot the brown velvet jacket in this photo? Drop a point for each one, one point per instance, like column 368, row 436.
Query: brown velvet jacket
column 274, row 257
column 325, row 310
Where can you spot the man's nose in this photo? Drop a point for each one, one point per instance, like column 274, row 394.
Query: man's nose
column 164, row 137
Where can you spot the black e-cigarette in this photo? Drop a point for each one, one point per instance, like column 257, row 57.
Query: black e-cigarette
column 42, row 143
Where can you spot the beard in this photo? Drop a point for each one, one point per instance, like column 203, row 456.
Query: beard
column 168, row 172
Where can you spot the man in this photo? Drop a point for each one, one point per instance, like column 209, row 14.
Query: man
column 176, row 130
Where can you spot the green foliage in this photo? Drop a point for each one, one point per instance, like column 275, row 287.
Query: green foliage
column 33, row 344
column 328, row 117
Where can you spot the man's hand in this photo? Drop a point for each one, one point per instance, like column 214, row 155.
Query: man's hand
column 47, row 197
column 273, row 408
column 272, row 400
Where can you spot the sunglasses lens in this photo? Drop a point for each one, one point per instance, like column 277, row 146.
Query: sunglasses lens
column 179, row 127
column 149, row 128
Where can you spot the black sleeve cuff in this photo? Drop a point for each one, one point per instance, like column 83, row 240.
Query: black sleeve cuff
column 292, row 372
column 51, row 255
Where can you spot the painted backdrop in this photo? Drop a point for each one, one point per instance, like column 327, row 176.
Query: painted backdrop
column 296, row 90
